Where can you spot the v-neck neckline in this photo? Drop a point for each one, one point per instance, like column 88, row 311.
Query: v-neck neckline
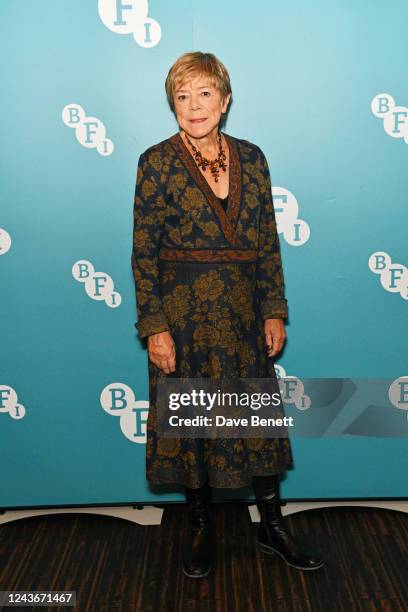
column 227, row 218
column 229, row 173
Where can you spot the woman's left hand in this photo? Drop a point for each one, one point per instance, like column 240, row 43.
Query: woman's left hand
column 275, row 336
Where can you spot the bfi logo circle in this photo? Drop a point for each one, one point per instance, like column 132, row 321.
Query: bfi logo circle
column 393, row 276
column 9, row 403
column 117, row 399
column 130, row 17
column 395, row 118
column 98, row 285
column 5, row 241
column 296, row 231
column 90, row 132
column 292, row 389
column 398, row 393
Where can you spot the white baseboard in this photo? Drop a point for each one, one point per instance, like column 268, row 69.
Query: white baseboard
column 293, row 507
column 151, row 515
column 148, row 515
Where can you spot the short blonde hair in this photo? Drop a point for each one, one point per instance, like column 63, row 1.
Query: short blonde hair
column 193, row 64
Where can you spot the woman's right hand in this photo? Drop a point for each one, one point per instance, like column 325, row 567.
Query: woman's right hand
column 162, row 351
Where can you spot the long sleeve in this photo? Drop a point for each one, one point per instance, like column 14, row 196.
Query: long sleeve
column 269, row 276
column 146, row 244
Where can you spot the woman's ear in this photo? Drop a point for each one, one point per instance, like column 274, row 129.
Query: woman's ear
column 225, row 103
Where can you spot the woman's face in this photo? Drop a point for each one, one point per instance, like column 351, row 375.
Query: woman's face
column 198, row 106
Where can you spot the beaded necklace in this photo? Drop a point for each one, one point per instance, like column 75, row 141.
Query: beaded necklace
column 215, row 164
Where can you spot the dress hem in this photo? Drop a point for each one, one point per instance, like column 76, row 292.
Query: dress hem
column 248, row 482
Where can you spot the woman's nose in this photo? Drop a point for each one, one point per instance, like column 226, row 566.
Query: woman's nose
column 194, row 102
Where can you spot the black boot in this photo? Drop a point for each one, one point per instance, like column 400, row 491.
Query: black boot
column 197, row 557
column 272, row 534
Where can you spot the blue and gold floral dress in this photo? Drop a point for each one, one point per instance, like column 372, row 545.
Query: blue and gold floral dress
column 210, row 272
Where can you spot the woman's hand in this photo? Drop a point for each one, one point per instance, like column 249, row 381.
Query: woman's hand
column 275, row 336
column 162, row 351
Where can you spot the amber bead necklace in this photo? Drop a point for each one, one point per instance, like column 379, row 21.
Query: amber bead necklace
column 215, row 164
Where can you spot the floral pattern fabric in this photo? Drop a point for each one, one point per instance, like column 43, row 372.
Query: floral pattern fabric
column 210, row 275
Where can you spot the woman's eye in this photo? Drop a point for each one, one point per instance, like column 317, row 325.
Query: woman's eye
column 206, row 92
column 181, row 97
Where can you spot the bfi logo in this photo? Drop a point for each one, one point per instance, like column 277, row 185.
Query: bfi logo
column 296, row 231
column 395, row 118
column 5, row 241
column 398, row 393
column 9, row 403
column 393, row 276
column 130, row 17
column 98, row 285
column 117, row 399
column 89, row 131
column 292, row 389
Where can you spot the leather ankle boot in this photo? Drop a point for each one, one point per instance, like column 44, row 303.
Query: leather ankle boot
column 272, row 534
column 197, row 555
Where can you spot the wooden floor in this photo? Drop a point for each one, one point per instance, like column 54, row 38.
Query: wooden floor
column 117, row 565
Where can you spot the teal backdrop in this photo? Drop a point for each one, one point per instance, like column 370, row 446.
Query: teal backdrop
column 314, row 85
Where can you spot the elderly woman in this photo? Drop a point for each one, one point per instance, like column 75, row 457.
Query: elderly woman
column 210, row 299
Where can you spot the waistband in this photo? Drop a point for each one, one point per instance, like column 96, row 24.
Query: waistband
column 208, row 255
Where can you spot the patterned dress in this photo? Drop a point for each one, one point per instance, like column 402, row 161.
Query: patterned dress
column 209, row 272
